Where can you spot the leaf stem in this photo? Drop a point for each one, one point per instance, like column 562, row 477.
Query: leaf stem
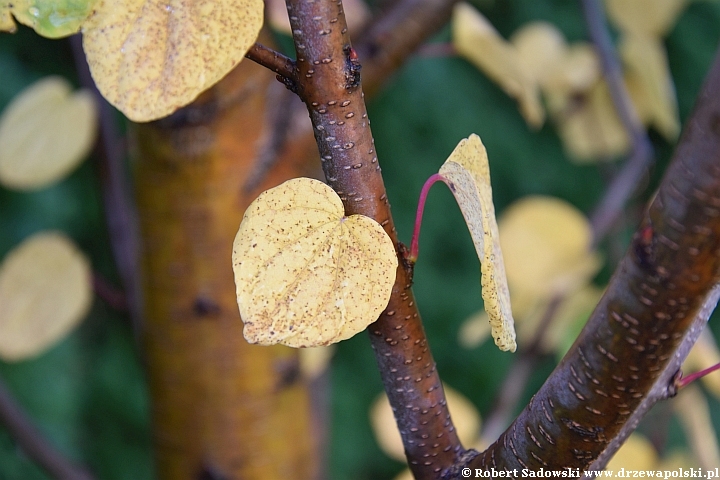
column 686, row 380
column 414, row 243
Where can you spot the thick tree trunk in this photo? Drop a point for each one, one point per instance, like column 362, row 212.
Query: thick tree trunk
column 221, row 408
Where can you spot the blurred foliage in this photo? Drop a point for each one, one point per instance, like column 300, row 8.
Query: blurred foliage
column 88, row 393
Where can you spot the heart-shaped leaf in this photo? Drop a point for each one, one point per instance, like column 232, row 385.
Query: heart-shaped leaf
column 306, row 275
column 151, row 57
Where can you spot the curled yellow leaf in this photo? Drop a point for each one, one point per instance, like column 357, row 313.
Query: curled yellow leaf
column 465, row 417
column 467, row 173
column 306, row 275
column 45, row 133
column 45, row 291
column 151, row 57
column 476, row 39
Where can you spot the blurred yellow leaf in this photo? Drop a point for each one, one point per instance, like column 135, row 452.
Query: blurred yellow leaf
column 49, row 18
column 546, row 242
column 557, row 66
column 305, row 274
column 45, row 291
column 357, row 14
column 149, row 57
column 464, row 414
column 314, row 361
column 693, row 411
column 45, row 133
column 477, row 40
column 541, row 48
column 650, row 84
column 467, row 173
column 588, row 124
column 646, row 17
column 637, row 453
column 704, row 354
column 475, row 330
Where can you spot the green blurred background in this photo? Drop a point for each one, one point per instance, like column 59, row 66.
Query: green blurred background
column 87, row 393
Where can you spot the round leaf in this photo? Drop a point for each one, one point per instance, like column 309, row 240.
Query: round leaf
column 151, row 57
column 305, row 274
column 546, row 242
column 45, row 291
column 45, row 133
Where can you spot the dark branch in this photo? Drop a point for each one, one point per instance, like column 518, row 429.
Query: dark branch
column 33, row 443
column 625, row 183
column 654, row 305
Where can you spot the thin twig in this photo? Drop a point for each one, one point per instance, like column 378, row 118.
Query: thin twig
column 33, row 443
column 273, row 60
column 120, row 212
column 625, row 183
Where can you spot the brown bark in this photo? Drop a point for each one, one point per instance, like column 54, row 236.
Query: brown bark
column 221, row 407
column 328, row 82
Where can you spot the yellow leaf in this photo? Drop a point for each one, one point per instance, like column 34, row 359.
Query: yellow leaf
column 546, row 242
column 151, row 57
column 637, row 453
column 467, row 173
column 314, row 361
column 541, row 49
column 45, row 133
column 588, row 125
column 51, row 18
column 306, row 275
column 578, row 71
column 647, row 17
column 693, row 410
column 45, row 291
column 7, row 24
column 477, row 40
column 462, row 411
column 653, row 92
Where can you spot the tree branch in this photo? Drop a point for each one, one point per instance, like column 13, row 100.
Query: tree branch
column 329, row 84
column 395, row 34
column 33, row 443
column 662, row 286
column 625, row 182
column 275, row 61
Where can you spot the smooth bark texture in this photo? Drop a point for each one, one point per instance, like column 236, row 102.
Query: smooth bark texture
column 221, row 408
column 660, row 292
column 329, row 84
